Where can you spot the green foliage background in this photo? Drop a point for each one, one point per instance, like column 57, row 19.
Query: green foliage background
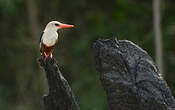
column 22, row 81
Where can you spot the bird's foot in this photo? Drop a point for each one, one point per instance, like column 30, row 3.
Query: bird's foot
column 51, row 55
column 45, row 55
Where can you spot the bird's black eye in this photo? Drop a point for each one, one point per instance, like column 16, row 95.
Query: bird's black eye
column 56, row 24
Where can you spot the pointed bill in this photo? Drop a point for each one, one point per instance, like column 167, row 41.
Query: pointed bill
column 65, row 26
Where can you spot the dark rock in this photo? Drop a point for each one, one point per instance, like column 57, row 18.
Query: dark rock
column 60, row 95
column 130, row 78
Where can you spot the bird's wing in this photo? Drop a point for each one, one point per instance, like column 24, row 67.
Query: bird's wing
column 41, row 38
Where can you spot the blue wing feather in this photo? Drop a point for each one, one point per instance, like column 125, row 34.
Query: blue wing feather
column 41, row 38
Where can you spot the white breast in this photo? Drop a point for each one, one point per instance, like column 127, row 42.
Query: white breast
column 50, row 38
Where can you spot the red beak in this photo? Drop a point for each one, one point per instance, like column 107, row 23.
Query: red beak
column 65, row 26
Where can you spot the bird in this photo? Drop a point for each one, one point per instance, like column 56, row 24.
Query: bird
column 49, row 37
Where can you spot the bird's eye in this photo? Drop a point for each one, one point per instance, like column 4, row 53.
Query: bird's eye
column 56, row 24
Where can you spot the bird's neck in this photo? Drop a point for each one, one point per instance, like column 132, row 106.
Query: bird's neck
column 50, row 32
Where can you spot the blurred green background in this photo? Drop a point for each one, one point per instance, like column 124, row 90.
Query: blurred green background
column 22, row 81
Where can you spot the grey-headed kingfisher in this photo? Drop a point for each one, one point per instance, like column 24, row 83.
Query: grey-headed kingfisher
column 49, row 37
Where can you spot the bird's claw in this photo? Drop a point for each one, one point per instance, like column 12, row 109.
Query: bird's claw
column 51, row 55
column 45, row 55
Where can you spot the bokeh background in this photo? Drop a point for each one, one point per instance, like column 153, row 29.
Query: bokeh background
column 22, row 81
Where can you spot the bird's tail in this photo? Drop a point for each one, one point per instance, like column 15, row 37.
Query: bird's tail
column 41, row 52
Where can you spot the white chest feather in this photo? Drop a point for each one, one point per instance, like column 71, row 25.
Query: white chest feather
column 50, row 38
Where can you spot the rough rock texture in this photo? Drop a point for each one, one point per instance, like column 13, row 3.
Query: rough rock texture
column 60, row 95
column 130, row 78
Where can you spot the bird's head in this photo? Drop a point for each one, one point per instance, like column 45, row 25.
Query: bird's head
column 55, row 25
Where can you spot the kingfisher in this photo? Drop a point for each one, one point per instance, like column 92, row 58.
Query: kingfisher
column 49, row 37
